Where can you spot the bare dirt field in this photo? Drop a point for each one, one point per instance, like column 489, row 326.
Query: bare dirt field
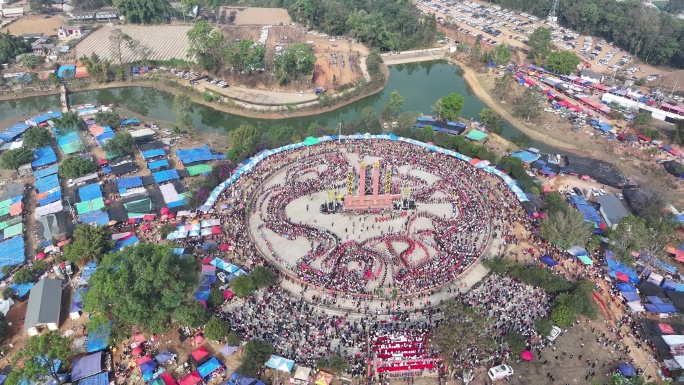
column 164, row 42
column 251, row 16
column 35, row 24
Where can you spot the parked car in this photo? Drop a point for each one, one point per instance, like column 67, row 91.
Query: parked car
column 500, row 372
column 555, row 332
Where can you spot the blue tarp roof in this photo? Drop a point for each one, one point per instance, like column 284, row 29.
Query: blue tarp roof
column 100, row 379
column 13, row 132
column 626, row 287
column 525, row 156
column 129, row 121
column 44, row 156
column 86, row 272
column 50, row 182
column 153, row 153
column 589, row 213
column 239, row 379
column 549, row 260
column 166, row 175
column 208, row 367
column 86, row 366
column 120, row 244
column 77, row 302
column 158, row 164
column 51, row 198
column 631, row 296
column 128, row 183
column 45, row 117
column 577, row 200
column 202, row 295
column 12, row 251
column 67, row 67
column 21, row 290
column 627, row 370
column 193, row 155
column 620, row 267
column 90, row 192
column 101, row 218
column 46, row 171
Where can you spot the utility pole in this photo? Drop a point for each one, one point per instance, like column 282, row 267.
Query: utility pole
column 339, row 132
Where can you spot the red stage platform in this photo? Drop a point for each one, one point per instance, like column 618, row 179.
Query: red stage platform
column 376, row 201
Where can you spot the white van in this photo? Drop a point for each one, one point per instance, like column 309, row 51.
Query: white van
column 500, row 372
column 555, row 332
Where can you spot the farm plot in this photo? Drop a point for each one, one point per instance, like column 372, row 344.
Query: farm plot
column 162, row 43
column 251, row 16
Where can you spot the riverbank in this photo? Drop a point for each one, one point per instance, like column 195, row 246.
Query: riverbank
column 246, row 111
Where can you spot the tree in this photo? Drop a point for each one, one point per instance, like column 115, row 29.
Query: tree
column 234, row 338
column 166, row 229
column 633, row 234
column 22, row 276
column 452, row 105
column 334, row 362
column 206, row 46
column 297, row 61
column 39, row 5
column 563, row 62
column 191, row 314
column 555, row 203
column 369, row 119
column 216, row 329
column 562, row 316
column 463, row 329
column 244, row 140
column 566, row 228
column 528, row 105
column 40, row 357
column 11, row 46
column 263, row 276
column 502, row 55
column 242, row 286
column 53, row 79
column 4, row 325
column 245, row 56
column 642, row 118
column 182, row 106
column 75, row 167
column 7, row 293
column 144, row 11
column 69, row 121
column 31, row 61
column 393, row 106
column 36, row 137
column 97, row 69
column 502, row 86
column 156, row 282
column 121, row 144
column 108, row 118
column 540, row 43
column 679, row 133
column 438, row 107
column 492, row 120
column 255, row 354
column 618, row 379
column 89, row 243
column 12, row 159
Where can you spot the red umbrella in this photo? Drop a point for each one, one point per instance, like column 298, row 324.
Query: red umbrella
column 146, row 227
column 198, row 339
column 622, row 277
column 526, row 355
column 165, row 210
column 103, row 162
column 131, row 220
column 40, row 255
column 216, row 230
column 207, row 260
column 223, row 246
column 107, row 201
column 136, row 351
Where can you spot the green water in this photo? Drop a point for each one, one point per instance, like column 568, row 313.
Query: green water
column 420, row 84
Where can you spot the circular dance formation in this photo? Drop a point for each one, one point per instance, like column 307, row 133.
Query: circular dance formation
column 367, row 217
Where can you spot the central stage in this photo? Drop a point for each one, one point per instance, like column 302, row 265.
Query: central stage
column 375, row 201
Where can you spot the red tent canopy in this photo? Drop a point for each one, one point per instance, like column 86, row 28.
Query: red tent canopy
column 139, row 337
column 675, row 152
column 145, row 227
column 191, row 379
column 666, row 329
column 227, row 294
column 200, row 353
column 207, row 260
column 622, row 277
column 148, row 217
column 168, row 380
column 143, row 359
column 216, row 230
column 103, row 162
column 165, row 210
column 223, row 246
column 40, row 255
column 136, row 351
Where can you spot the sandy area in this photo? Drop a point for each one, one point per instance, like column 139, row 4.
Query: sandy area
column 250, row 16
column 35, row 24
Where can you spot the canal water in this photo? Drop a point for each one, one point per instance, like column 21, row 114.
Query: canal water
column 420, row 84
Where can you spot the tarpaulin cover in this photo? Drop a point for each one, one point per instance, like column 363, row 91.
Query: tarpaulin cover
column 208, row 270
column 227, row 350
column 120, row 244
column 200, row 353
column 13, row 231
column 13, row 132
column 91, row 205
column 169, row 193
column 549, row 260
column 209, row 367
column 168, row 380
column 280, row 363
column 669, row 284
column 45, row 117
column 49, row 183
column 129, row 121
column 86, row 366
column 98, row 339
column 164, row 356
column 46, row 171
column 239, row 379
column 12, row 251
column 198, row 169
column 44, row 156
column 676, row 297
column 77, row 302
column 666, row 329
column 655, row 278
column 621, row 268
column 589, row 213
column 21, row 290
column 138, row 208
column 577, row 251
column 153, row 153
column 124, row 184
column 194, row 155
column 191, row 379
column 90, row 192
column 158, row 164
column 207, row 280
column 50, row 198
column 585, row 260
column 165, row 176
column 148, row 366
column 101, row 218
column 654, row 299
column 631, row 296
column 627, row 370
column 100, row 379
column 526, row 156
column 202, row 295
column 665, row 308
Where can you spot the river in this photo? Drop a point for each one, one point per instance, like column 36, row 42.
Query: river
column 420, row 84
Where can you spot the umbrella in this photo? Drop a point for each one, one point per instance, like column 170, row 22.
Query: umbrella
column 223, row 246
column 198, row 339
column 107, row 201
column 145, row 227
column 165, row 210
column 323, row 378
column 526, row 355
column 40, row 255
column 136, row 351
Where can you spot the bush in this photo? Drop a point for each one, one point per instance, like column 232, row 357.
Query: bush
column 263, row 277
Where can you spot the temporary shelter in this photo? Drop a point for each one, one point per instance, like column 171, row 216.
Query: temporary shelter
column 280, row 363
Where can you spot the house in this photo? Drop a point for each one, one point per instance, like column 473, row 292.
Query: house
column 591, row 76
column 106, row 14
column 13, row 12
column 32, row 36
column 66, row 31
column 612, row 209
column 44, row 306
column 25, row 170
column 57, row 5
column 83, row 16
column 42, row 48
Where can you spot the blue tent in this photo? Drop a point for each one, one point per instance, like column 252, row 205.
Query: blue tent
column 44, row 156
column 209, row 367
column 13, row 132
column 49, row 183
column 166, row 175
column 626, row 287
column 99, row 379
column 98, row 339
column 46, row 171
column 124, row 184
column 627, row 370
column 153, row 153
column 90, row 192
column 549, row 260
column 86, row 366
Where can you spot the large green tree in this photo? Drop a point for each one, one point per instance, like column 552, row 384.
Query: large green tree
column 75, row 167
column 540, row 43
column 121, row 144
column 155, row 280
column 563, row 62
column 566, row 228
column 192, row 314
column 296, row 62
column 144, row 11
column 503, row 85
column 89, row 243
column 255, row 354
column 493, row 121
column 182, row 107
column 263, row 276
column 245, row 56
column 39, row 359
column 36, row 137
column 244, row 141
column 109, row 118
column 528, row 105
column 452, row 105
column 216, row 329
column 206, row 46
column 11, row 46
column 12, row 159
column 393, row 106
column 69, row 121
column 242, row 286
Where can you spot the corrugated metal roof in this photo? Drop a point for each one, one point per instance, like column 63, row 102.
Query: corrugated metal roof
column 44, row 303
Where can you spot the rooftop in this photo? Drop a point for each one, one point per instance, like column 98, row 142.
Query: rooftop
column 44, row 303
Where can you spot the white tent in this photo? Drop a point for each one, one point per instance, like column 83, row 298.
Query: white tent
column 302, row 374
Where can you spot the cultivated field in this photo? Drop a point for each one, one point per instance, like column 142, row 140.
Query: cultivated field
column 34, row 24
column 164, row 42
column 251, row 16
